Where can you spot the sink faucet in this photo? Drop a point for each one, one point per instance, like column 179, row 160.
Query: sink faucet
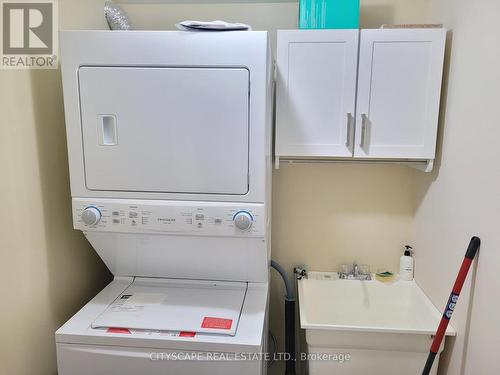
column 353, row 273
column 355, row 269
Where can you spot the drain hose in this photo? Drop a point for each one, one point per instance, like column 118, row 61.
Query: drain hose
column 289, row 320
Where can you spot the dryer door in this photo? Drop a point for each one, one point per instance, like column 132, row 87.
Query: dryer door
column 169, row 130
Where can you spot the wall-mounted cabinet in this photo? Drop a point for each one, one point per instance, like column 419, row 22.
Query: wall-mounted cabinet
column 359, row 95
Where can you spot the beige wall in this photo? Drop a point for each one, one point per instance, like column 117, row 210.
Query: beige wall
column 328, row 214
column 48, row 270
column 324, row 214
column 462, row 197
column 266, row 15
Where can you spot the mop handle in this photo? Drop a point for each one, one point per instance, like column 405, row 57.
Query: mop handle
column 452, row 301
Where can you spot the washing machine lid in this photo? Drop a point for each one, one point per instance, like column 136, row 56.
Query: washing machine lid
column 177, row 305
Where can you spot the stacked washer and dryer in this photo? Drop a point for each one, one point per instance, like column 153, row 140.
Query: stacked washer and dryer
column 169, row 145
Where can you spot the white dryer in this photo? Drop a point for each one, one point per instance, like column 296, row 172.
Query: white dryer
column 169, row 143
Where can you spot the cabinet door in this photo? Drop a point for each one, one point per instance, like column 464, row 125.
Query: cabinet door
column 399, row 85
column 316, row 90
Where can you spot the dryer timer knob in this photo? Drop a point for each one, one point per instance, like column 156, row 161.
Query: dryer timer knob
column 91, row 215
column 243, row 220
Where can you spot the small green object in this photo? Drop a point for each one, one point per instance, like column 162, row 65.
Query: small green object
column 328, row 14
column 385, row 274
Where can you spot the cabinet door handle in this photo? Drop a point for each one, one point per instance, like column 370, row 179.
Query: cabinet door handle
column 349, row 131
column 364, row 120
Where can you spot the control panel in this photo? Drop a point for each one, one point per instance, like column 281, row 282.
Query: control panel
column 176, row 217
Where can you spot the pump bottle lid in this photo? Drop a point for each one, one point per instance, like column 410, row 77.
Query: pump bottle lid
column 407, row 251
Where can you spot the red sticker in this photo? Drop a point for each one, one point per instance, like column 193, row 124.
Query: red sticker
column 216, row 323
column 118, row 330
column 187, row 334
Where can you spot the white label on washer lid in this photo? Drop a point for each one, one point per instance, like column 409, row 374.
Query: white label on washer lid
column 137, row 302
column 142, row 299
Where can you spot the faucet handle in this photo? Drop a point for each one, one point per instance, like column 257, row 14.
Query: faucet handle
column 345, row 269
column 364, row 269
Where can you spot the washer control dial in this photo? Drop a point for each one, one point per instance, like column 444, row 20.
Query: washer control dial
column 243, row 220
column 91, row 215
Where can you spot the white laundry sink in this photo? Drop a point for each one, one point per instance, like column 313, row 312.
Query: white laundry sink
column 354, row 326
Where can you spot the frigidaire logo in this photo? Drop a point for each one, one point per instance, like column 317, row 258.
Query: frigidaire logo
column 29, row 34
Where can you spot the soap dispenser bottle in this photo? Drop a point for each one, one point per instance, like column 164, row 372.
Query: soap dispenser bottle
column 406, row 265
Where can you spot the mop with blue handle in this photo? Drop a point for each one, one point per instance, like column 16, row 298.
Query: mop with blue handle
column 452, row 301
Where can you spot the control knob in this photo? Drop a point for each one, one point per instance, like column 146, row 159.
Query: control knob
column 91, row 215
column 243, row 220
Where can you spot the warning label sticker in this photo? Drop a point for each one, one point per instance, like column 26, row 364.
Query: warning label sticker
column 216, row 323
column 149, row 332
column 187, row 334
column 118, row 330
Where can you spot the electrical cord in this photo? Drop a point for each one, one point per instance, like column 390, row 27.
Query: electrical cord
column 275, row 349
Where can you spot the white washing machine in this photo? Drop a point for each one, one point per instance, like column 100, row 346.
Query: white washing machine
column 169, row 143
